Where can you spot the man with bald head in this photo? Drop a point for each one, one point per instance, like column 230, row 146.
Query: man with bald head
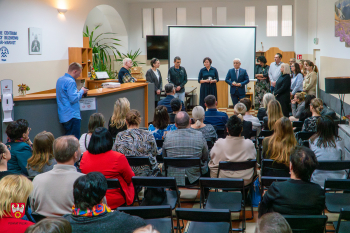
column 237, row 78
column 52, row 194
column 186, row 143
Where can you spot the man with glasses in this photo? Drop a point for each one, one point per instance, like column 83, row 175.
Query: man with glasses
column 275, row 71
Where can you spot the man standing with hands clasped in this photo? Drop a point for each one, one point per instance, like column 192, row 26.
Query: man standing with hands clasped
column 275, row 71
column 237, row 78
column 68, row 97
column 178, row 77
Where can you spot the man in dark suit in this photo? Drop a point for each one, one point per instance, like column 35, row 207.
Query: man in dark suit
column 237, row 78
column 170, row 92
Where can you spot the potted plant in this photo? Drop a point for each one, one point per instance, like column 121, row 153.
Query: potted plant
column 22, row 89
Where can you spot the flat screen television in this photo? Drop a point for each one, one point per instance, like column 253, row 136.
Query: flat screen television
column 157, row 46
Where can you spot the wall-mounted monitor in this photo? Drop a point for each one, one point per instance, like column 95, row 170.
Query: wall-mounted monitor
column 157, row 46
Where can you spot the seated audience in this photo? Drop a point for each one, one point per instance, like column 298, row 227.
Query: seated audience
column 113, row 165
column 327, row 146
column 42, row 159
column 306, row 113
column 310, row 123
column 5, row 156
column 297, row 79
column 234, row 148
column 89, row 214
column 185, row 143
column 299, row 98
column 13, row 189
column 21, row 146
column 248, row 117
column 262, row 112
column 296, row 196
column 117, row 122
column 208, row 131
column 279, row 146
column 52, row 194
column 272, row 223
column 240, row 110
column 147, row 229
column 212, row 115
column 274, row 113
column 176, row 106
column 137, row 142
column 50, row 225
column 96, row 120
column 170, row 92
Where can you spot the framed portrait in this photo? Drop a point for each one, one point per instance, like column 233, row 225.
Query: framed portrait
column 35, row 41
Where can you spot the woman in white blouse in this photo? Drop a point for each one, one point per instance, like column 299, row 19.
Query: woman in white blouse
column 153, row 75
column 96, row 120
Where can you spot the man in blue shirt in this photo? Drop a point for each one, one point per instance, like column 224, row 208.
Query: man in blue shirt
column 212, row 115
column 68, row 97
column 170, row 92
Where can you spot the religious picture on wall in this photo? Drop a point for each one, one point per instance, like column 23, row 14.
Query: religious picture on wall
column 35, row 41
column 342, row 21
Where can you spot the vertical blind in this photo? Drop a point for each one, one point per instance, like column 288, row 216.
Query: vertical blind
column 158, row 21
column 272, row 21
column 250, row 15
column 147, row 22
column 180, row 16
column 221, row 16
column 206, row 16
column 287, row 20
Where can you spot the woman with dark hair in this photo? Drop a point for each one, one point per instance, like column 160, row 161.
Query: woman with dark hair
column 113, row 165
column 327, row 146
column 262, row 85
column 42, row 159
column 50, row 225
column 208, row 77
column 176, row 106
column 5, row 156
column 153, row 75
column 21, row 146
column 296, row 196
column 233, row 148
column 137, row 142
column 310, row 80
column 282, row 89
column 316, row 107
column 297, row 79
column 89, row 214
column 161, row 124
column 307, row 113
column 96, row 120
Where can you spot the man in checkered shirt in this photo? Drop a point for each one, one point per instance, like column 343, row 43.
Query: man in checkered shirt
column 185, row 143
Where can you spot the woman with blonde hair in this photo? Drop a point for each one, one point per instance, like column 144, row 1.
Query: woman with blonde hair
column 240, row 110
column 282, row 89
column 117, row 122
column 310, row 80
column 299, row 98
column 279, row 146
column 42, row 159
column 263, row 111
column 274, row 113
column 310, row 123
column 14, row 189
column 207, row 130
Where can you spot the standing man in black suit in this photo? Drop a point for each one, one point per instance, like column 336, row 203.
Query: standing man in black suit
column 237, row 78
column 153, row 75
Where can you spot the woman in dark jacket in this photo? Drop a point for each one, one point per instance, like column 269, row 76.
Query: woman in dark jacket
column 153, row 75
column 282, row 89
column 208, row 77
column 262, row 85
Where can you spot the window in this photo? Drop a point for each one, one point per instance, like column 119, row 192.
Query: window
column 287, row 20
column 147, row 22
column 250, row 16
column 272, row 21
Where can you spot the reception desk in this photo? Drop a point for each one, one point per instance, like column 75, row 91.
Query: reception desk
column 40, row 110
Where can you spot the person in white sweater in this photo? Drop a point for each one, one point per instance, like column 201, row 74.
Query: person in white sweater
column 248, row 117
column 234, row 148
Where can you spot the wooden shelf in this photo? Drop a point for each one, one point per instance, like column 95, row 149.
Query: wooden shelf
column 82, row 56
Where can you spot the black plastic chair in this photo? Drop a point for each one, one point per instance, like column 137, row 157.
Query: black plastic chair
column 172, row 196
column 160, row 144
column 343, row 226
column 239, row 166
column 157, row 216
column 307, row 223
column 31, row 178
column 306, row 143
column 205, row 220
column 336, row 201
column 115, row 184
column 303, row 135
column 37, row 217
column 183, row 163
column 266, row 181
column 298, row 125
column 234, row 201
column 265, row 133
column 135, row 161
column 210, row 144
column 270, row 167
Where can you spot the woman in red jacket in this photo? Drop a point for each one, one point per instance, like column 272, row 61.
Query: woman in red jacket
column 99, row 157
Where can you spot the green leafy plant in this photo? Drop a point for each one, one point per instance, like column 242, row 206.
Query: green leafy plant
column 102, row 50
column 130, row 55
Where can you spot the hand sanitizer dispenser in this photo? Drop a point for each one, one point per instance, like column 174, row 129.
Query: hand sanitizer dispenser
column 7, row 99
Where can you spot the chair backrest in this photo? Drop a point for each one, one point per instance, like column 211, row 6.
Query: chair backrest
column 306, row 143
column 344, row 215
column 154, row 182
column 182, row 163
column 307, row 223
column 139, row 161
column 268, row 180
column 253, row 133
column 210, row 144
column 237, row 166
column 304, row 135
column 148, row 212
column 203, row 215
column 337, row 184
column 160, row 142
column 333, row 165
column 298, row 124
column 265, row 133
column 37, row 217
column 270, row 167
column 113, row 184
column 221, row 183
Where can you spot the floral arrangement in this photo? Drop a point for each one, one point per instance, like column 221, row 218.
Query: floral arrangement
column 23, row 88
column 248, row 88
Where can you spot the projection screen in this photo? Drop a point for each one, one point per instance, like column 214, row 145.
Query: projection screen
column 222, row 44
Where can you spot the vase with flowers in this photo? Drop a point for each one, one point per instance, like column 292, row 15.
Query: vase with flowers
column 22, row 89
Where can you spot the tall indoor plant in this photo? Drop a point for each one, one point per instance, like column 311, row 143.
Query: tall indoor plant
column 130, row 55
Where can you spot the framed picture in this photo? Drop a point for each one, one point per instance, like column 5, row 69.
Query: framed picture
column 35, row 41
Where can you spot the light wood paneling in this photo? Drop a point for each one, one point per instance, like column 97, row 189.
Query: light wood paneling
column 287, row 56
column 270, row 54
column 222, row 93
